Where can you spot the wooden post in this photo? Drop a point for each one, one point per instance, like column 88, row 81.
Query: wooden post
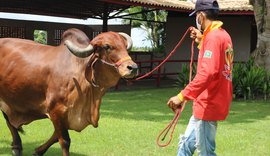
column 158, row 76
column 105, row 18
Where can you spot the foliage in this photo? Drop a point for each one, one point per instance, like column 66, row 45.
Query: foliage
column 40, row 36
column 250, row 81
column 148, row 49
column 183, row 76
column 236, row 79
column 150, row 21
column 130, row 122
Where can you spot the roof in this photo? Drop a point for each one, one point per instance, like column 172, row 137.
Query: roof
column 83, row 9
column 158, row 3
column 235, row 5
column 225, row 5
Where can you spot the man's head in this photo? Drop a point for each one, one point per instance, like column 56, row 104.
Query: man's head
column 205, row 10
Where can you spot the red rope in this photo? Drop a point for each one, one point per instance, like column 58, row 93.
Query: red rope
column 166, row 59
column 173, row 123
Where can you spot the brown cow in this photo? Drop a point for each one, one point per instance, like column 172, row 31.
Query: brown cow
column 63, row 83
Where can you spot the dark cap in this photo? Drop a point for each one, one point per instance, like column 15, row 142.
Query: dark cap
column 205, row 5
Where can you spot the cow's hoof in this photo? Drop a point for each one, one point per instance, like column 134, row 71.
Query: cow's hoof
column 16, row 152
column 36, row 154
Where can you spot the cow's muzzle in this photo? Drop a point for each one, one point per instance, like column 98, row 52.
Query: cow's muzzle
column 125, row 67
column 132, row 71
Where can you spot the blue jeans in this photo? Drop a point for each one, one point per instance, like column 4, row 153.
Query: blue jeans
column 200, row 135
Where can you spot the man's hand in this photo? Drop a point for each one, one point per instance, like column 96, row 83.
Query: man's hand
column 196, row 34
column 174, row 103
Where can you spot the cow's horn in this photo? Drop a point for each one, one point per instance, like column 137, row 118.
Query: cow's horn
column 77, row 51
column 128, row 39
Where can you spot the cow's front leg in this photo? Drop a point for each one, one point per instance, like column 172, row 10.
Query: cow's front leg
column 43, row 148
column 58, row 117
column 64, row 141
column 16, row 145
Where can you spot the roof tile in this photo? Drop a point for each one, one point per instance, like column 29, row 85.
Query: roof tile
column 225, row 5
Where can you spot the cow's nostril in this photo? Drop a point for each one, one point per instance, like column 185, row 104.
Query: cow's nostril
column 130, row 67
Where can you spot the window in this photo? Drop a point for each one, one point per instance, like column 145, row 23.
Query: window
column 13, row 32
column 58, row 36
column 40, row 36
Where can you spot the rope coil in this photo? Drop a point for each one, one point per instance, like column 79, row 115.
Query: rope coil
column 173, row 123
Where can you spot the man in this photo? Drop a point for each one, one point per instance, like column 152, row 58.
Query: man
column 211, row 89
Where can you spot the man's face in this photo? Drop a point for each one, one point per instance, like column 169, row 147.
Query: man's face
column 198, row 23
column 197, row 13
column 200, row 16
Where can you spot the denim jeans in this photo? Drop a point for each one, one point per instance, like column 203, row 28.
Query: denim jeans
column 200, row 135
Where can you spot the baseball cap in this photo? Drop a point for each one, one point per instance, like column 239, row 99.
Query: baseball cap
column 205, row 5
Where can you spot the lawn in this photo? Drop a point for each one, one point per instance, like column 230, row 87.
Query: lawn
column 131, row 120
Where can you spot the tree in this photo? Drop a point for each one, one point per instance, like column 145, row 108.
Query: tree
column 262, row 17
column 150, row 21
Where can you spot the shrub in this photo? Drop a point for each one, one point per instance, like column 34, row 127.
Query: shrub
column 250, row 81
column 238, row 72
column 183, row 76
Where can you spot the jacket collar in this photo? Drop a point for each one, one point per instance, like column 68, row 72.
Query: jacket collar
column 214, row 25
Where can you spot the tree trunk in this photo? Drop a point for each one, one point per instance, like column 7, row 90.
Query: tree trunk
column 262, row 17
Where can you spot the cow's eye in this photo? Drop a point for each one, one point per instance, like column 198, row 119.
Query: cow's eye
column 107, row 47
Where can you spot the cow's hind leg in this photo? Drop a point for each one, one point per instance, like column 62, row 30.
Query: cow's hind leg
column 16, row 144
column 43, row 148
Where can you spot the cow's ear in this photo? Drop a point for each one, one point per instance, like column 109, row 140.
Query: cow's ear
column 89, row 71
column 78, row 51
column 128, row 39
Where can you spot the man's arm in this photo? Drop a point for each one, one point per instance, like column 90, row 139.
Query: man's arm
column 209, row 68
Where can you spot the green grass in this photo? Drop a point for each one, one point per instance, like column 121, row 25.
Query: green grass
column 131, row 120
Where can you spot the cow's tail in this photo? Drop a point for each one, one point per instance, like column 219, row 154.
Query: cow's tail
column 19, row 129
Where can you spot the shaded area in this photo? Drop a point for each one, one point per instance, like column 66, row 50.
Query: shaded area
column 131, row 120
column 139, row 105
column 150, row 104
column 249, row 111
column 28, row 149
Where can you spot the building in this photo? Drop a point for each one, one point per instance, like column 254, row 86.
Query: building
column 238, row 18
column 237, row 15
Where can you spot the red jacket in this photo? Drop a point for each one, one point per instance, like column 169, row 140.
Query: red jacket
column 211, row 89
